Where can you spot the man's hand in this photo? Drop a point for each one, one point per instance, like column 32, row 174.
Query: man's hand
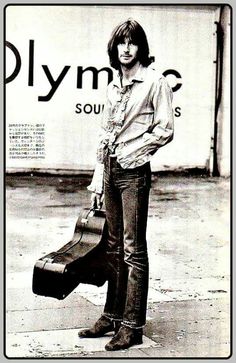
column 97, row 200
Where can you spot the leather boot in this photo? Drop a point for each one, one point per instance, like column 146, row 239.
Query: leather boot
column 125, row 338
column 101, row 327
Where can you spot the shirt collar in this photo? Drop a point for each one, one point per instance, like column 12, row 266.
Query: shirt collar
column 138, row 77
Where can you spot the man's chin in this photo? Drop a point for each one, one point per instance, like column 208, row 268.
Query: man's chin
column 128, row 63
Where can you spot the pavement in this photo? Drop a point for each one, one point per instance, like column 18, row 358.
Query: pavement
column 188, row 236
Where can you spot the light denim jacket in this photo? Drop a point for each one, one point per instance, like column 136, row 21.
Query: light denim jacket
column 137, row 120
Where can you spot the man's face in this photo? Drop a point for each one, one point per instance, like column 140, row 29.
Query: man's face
column 127, row 53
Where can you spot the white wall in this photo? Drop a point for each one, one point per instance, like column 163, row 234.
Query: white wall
column 180, row 38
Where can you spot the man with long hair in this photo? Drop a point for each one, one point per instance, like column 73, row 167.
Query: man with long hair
column 137, row 121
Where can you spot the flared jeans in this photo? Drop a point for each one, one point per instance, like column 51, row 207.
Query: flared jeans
column 126, row 193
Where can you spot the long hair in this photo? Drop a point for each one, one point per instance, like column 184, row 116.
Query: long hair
column 132, row 31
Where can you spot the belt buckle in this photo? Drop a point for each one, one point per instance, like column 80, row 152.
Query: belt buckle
column 111, row 150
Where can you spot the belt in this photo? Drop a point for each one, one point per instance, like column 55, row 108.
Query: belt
column 111, row 150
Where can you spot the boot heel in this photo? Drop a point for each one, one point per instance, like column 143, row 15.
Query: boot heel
column 100, row 328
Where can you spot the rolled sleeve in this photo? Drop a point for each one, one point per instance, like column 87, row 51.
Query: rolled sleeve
column 163, row 126
column 96, row 184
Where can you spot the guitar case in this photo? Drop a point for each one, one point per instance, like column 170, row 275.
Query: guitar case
column 82, row 260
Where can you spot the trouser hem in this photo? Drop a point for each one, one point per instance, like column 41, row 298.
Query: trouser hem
column 112, row 317
column 131, row 325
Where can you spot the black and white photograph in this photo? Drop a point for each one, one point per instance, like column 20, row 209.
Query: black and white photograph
column 117, row 178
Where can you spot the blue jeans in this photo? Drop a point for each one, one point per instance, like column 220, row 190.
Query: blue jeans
column 126, row 193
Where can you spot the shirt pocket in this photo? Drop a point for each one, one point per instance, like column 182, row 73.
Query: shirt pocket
column 144, row 117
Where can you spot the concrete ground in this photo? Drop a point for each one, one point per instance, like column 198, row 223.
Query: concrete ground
column 189, row 251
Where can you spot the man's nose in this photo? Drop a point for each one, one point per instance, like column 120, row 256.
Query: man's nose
column 126, row 47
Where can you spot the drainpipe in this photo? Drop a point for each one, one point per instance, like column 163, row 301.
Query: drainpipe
column 218, row 87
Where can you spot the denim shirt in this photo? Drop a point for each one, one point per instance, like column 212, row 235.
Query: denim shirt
column 137, row 120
